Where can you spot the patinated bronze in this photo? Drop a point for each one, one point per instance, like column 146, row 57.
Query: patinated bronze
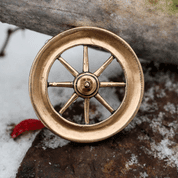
column 86, row 84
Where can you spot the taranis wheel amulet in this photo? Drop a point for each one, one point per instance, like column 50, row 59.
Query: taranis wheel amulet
column 86, row 84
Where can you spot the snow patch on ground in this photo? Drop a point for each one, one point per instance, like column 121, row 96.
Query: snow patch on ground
column 163, row 151
column 170, row 85
column 170, row 107
column 133, row 161
column 166, row 149
column 149, row 96
column 12, row 153
column 160, row 92
column 143, row 175
column 52, row 141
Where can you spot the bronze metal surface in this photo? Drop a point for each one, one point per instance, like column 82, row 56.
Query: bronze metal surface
column 86, row 84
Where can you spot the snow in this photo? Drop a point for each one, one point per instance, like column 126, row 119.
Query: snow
column 133, row 161
column 167, row 148
column 170, row 107
column 163, row 152
column 15, row 102
column 143, row 175
column 52, row 141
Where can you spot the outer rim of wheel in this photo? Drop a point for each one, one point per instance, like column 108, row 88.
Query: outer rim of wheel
column 39, row 92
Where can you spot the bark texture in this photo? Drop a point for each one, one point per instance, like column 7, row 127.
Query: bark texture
column 150, row 27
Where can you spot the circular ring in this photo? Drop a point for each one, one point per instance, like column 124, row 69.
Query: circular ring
column 86, row 86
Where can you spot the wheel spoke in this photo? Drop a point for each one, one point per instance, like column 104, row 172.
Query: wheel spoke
column 61, row 84
column 112, row 84
column 69, row 102
column 104, row 103
column 103, row 67
column 85, row 59
column 86, row 110
column 68, row 67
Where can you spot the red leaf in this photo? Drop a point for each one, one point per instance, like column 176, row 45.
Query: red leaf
column 26, row 125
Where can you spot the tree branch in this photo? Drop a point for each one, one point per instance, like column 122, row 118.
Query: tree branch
column 150, row 28
column 9, row 33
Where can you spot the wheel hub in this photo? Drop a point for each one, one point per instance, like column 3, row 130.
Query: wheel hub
column 86, row 85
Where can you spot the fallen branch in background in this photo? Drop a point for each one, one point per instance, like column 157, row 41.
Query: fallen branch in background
column 9, row 33
column 150, row 26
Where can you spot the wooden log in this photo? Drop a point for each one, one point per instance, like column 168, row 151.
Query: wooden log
column 149, row 26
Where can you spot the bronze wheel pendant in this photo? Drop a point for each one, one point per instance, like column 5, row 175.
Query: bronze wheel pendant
column 86, row 84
